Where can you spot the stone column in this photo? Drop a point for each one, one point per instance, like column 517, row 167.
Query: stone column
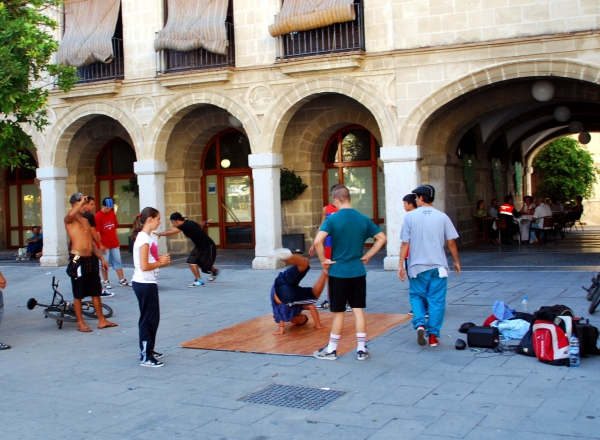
column 528, row 184
column 151, row 180
column 510, row 181
column 266, row 171
column 53, row 185
column 402, row 168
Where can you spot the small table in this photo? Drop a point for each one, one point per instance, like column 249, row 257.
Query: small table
column 525, row 224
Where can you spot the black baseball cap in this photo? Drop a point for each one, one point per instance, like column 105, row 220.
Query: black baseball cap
column 425, row 189
column 177, row 216
column 75, row 198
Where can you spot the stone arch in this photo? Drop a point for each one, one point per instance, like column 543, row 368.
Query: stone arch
column 162, row 125
column 325, row 125
column 181, row 155
column 282, row 110
column 59, row 139
column 411, row 129
column 38, row 142
column 84, row 148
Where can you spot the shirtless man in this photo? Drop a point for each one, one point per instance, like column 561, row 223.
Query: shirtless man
column 82, row 244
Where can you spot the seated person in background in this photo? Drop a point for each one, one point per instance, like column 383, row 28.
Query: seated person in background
column 555, row 206
column 537, row 222
column 35, row 243
column 493, row 213
column 288, row 299
column 481, row 212
column 508, row 212
column 578, row 206
column 494, row 209
column 528, row 206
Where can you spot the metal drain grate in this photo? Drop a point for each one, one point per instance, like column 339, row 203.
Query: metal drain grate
column 294, row 397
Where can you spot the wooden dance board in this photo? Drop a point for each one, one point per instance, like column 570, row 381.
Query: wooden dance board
column 256, row 335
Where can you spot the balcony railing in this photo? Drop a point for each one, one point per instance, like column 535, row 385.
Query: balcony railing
column 103, row 71
column 338, row 37
column 169, row 61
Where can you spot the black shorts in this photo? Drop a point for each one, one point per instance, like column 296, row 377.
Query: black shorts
column 288, row 290
column 350, row 290
column 204, row 259
column 88, row 284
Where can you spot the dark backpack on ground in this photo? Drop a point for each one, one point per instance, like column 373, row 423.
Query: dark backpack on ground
column 588, row 338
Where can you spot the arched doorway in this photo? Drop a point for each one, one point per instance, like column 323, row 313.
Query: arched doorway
column 227, row 196
column 23, row 207
column 350, row 158
column 114, row 169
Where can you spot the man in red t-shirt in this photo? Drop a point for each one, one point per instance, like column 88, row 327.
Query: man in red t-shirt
column 106, row 225
column 328, row 210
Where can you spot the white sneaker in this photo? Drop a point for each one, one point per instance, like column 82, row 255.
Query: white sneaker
column 106, row 284
column 281, row 254
column 214, row 275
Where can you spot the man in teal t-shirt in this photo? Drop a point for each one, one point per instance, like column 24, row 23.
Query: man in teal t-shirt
column 349, row 229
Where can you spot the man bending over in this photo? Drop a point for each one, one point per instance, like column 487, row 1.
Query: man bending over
column 288, row 299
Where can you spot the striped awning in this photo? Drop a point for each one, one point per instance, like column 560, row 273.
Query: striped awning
column 303, row 15
column 193, row 24
column 89, row 28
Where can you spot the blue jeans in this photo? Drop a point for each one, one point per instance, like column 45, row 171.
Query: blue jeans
column 428, row 286
column 532, row 236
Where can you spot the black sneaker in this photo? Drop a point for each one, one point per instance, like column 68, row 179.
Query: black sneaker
column 322, row 354
column 362, row 355
column 155, row 355
column 106, row 294
column 152, row 363
column 324, row 305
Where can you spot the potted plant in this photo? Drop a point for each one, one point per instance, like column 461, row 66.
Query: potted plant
column 291, row 187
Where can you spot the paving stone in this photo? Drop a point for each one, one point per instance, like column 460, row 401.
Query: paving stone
column 435, row 402
column 502, row 399
column 405, row 395
column 581, row 428
column 454, row 424
column 400, row 430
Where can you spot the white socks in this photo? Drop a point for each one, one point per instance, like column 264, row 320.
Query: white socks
column 361, row 338
column 333, row 342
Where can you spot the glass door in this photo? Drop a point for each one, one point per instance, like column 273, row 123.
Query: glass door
column 237, row 212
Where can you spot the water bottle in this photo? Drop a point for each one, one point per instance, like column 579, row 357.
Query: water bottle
column 525, row 304
column 574, row 360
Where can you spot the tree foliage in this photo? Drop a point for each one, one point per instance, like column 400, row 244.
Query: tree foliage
column 291, row 185
column 26, row 73
column 566, row 170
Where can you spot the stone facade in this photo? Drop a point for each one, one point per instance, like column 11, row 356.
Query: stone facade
column 428, row 71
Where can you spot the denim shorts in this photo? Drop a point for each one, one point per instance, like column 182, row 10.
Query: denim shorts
column 113, row 258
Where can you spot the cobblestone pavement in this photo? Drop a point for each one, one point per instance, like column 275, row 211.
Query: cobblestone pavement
column 57, row 384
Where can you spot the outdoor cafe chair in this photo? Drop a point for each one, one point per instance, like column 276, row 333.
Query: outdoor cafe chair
column 480, row 224
column 502, row 225
column 548, row 227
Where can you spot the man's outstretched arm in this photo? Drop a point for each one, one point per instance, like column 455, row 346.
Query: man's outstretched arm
column 167, row 233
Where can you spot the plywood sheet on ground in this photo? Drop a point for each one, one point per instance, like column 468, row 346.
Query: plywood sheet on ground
column 256, row 335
